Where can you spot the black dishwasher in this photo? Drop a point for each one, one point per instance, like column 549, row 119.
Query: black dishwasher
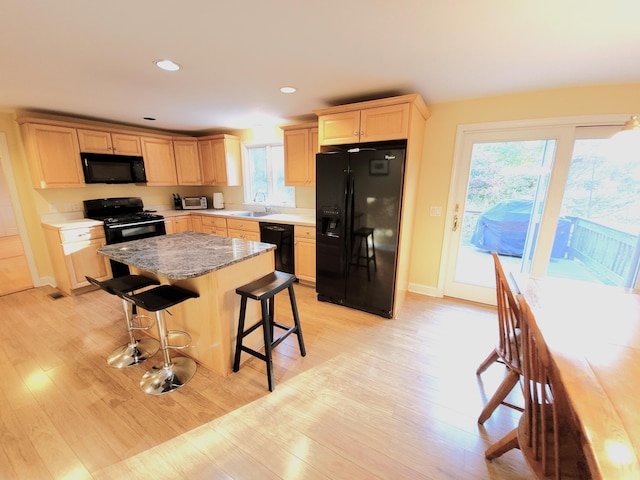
column 281, row 235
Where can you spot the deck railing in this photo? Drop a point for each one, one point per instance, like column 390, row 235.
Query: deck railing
column 609, row 253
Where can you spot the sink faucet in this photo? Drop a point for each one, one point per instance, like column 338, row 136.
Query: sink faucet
column 261, row 197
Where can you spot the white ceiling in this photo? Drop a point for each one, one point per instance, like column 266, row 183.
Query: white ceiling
column 94, row 59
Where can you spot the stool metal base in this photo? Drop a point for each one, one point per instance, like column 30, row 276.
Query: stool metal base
column 161, row 379
column 129, row 354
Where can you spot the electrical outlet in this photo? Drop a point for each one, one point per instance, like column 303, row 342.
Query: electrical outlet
column 76, row 207
column 68, row 207
column 435, row 211
column 53, row 208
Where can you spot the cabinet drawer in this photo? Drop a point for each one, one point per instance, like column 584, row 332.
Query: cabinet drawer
column 213, row 230
column 78, row 234
column 246, row 225
column 301, row 231
column 211, row 221
column 244, row 235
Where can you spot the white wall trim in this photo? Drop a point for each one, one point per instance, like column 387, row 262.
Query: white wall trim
column 5, row 160
column 424, row 290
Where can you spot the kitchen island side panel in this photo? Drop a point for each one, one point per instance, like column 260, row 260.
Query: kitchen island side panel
column 212, row 319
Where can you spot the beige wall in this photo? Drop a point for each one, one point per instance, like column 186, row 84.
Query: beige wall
column 435, row 175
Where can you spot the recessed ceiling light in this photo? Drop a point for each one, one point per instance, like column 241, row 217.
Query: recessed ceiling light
column 288, row 89
column 167, row 65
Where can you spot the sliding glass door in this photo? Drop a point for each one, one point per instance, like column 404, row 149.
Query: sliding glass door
column 549, row 201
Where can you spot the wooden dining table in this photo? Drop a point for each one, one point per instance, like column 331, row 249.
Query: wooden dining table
column 593, row 334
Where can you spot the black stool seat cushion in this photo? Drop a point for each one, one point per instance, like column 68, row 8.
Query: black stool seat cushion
column 161, row 297
column 125, row 284
column 267, row 286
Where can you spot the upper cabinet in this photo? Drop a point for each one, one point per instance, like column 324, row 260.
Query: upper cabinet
column 300, row 148
column 96, row 141
column 372, row 121
column 220, row 160
column 53, row 155
column 159, row 161
column 188, row 168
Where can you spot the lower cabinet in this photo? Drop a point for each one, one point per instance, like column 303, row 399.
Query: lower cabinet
column 244, row 229
column 183, row 223
column 214, row 225
column 305, row 253
column 74, row 254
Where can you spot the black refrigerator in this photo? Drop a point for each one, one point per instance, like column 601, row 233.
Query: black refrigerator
column 358, row 204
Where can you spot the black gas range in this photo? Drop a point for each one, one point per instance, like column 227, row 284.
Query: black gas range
column 124, row 219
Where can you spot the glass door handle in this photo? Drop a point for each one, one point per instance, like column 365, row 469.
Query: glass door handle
column 455, row 223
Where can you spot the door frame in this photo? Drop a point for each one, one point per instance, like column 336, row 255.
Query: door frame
column 555, row 187
column 5, row 164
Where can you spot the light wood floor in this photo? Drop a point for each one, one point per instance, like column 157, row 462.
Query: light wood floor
column 373, row 398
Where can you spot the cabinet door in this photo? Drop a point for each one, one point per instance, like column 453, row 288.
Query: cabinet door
column 297, row 146
column 159, row 161
column 187, row 162
column 182, row 224
column 205, row 149
column 305, row 258
column 95, row 141
column 196, row 223
column 125, row 144
column 339, row 128
column 385, row 123
column 83, row 259
column 313, row 135
column 219, row 162
column 53, row 156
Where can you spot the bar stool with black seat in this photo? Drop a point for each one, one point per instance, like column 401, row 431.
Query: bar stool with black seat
column 173, row 372
column 358, row 260
column 264, row 290
column 137, row 350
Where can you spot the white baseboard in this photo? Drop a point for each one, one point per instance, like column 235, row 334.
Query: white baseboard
column 424, row 290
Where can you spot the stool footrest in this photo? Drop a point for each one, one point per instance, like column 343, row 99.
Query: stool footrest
column 137, row 318
column 179, row 333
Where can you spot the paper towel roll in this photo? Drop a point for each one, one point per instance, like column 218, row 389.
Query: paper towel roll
column 218, row 201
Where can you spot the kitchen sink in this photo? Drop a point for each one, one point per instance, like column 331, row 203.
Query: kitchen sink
column 248, row 214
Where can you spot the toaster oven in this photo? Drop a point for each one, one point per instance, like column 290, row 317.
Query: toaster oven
column 194, row 203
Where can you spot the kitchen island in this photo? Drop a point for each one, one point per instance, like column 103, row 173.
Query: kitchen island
column 213, row 267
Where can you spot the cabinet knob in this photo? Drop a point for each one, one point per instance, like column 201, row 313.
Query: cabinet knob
column 355, row 134
column 362, row 133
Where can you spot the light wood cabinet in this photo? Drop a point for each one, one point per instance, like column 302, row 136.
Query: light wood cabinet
column 373, row 121
column 214, row 225
column 244, row 229
column 182, row 223
column 53, row 156
column 97, row 141
column 305, row 253
column 220, row 160
column 188, row 168
column 300, row 148
column 159, row 161
column 74, row 254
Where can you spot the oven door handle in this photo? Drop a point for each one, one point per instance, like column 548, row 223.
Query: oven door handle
column 134, row 224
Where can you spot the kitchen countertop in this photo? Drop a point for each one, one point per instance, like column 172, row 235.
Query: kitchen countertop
column 290, row 218
column 184, row 255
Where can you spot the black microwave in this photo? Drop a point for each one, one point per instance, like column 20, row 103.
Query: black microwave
column 106, row 168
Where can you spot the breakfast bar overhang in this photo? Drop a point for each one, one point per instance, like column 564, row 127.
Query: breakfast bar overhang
column 211, row 266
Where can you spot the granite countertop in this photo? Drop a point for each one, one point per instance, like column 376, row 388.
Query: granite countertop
column 184, row 255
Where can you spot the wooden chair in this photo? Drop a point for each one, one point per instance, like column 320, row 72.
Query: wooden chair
column 508, row 348
column 545, row 434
